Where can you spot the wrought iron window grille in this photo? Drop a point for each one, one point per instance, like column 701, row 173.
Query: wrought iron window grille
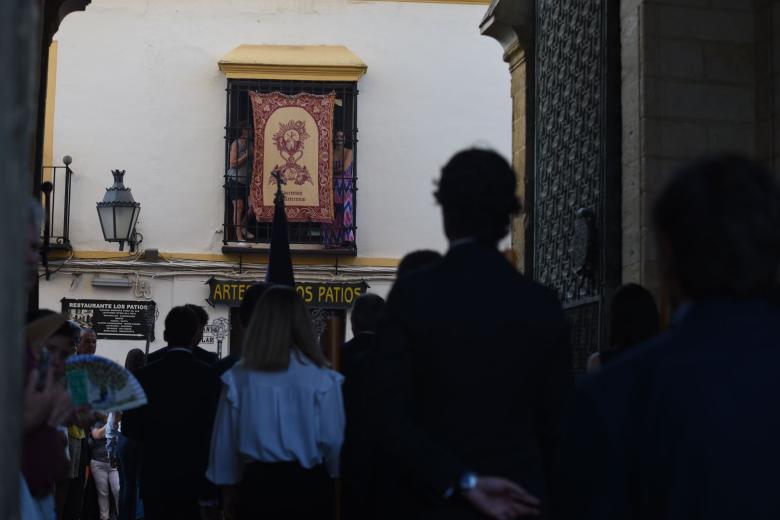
column 305, row 237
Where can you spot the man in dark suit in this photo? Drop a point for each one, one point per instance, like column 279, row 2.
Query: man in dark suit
column 687, row 425
column 175, row 426
column 365, row 317
column 356, row 457
column 200, row 353
column 472, row 362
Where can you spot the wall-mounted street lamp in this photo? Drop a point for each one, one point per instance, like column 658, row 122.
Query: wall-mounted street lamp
column 118, row 213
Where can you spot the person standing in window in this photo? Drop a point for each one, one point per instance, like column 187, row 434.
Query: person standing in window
column 238, row 178
column 280, row 422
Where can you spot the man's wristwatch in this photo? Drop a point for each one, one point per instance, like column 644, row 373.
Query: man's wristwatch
column 467, row 482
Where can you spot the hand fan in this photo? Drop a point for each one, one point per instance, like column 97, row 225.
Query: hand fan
column 102, row 384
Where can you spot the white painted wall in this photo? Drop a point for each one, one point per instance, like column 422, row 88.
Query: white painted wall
column 138, row 88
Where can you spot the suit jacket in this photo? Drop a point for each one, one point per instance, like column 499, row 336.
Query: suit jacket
column 685, row 426
column 175, row 426
column 357, row 454
column 200, row 354
column 472, row 370
column 354, row 357
column 225, row 364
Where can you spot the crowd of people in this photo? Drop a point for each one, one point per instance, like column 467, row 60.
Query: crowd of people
column 455, row 398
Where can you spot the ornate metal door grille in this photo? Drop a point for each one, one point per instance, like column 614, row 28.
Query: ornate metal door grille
column 576, row 209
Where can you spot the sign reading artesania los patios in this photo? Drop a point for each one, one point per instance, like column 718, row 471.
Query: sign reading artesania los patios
column 113, row 319
column 318, row 295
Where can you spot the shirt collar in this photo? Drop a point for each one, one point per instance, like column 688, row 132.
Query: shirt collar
column 188, row 350
column 462, row 242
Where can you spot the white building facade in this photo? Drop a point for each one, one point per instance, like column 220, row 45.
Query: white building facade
column 138, row 88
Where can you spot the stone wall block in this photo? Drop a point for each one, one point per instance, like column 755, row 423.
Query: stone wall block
column 730, row 63
column 657, row 173
column 674, row 58
column 764, row 128
column 704, row 24
column 765, row 98
column 733, row 5
column 686, row 100
column 740, row 138
column 674, row 139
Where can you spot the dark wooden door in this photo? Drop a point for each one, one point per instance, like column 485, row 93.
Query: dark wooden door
column 576, row 177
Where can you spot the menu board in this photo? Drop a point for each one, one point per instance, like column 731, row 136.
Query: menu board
column 113, row 319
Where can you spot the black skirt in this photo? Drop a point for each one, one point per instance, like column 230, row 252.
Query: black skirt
column 286, row 491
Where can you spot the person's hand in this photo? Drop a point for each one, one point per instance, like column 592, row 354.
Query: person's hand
column 84, row 417
column 502, row 499
column 51, row 405
column 62, row 408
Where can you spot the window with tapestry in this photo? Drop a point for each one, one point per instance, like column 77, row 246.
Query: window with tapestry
column 307, row 130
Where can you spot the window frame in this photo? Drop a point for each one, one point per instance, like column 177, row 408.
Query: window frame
column 302, row 234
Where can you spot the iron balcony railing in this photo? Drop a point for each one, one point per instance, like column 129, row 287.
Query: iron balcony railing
column 55, row 192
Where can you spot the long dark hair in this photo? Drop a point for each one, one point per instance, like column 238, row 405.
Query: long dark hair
column 135, row 359
column 635, row 317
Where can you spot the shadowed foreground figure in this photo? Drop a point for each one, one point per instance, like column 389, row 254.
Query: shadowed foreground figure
column 687, row 426
column 633, row 320
column 472, row 362
column 174, row 428
column 417, row 260
column 357, row 455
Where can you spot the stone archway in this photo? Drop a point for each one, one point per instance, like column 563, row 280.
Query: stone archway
column 26, row 28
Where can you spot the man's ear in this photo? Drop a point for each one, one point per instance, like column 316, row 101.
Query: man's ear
column 165, row 336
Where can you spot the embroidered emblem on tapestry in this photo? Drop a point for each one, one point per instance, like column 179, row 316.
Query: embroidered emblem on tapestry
column 294, row 135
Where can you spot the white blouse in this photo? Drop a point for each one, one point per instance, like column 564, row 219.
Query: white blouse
column 297, row 414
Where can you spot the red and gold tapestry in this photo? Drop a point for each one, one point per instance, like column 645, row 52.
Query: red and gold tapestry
column 293, row 134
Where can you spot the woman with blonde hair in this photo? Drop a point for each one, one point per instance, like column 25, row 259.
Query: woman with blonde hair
column 280, row 422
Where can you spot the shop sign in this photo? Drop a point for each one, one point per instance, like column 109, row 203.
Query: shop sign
column 113, row 319
column 316, row 295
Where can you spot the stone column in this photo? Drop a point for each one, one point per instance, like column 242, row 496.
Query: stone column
column 510, row 22
column 689, row 84
column 19, row 57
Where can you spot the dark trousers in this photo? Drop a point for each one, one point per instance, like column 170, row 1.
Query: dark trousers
column 166, row 509
column 129, row 455
column 286, row 491
column 74, row 499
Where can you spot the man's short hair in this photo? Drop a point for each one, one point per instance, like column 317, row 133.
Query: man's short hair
column 366, row 313
column 181, row 326
column 477, row 193
column 251, row 297
column 417, row 260
column 200, row 313
column 718, row 226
